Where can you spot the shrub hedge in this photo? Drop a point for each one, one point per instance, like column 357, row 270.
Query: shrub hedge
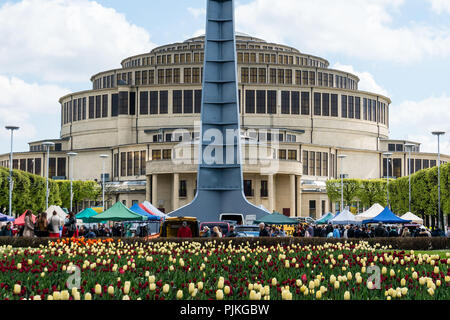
column 396, row 243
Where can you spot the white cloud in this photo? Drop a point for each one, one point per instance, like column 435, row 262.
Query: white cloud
column 65, row 40
column 440, row 6
column 26, row 105
column 367, row 81
column 197, row 12
column 415, row 120
column 363, row 29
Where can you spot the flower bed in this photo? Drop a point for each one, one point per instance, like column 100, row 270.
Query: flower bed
column 110, row 269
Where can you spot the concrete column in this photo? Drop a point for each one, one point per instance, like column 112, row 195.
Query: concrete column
column 292, row 195
column 257, row 187
column 271, row 193
column 176, row 187
column 155, row 190
column 148, row 190
column 299, row 196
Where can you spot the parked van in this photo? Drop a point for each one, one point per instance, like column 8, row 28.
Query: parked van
column 169, row 229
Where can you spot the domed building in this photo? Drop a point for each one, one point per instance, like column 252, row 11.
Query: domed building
column 300, row 114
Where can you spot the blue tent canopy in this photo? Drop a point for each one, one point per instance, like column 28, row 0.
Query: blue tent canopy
column 5, row 218
column 386, row 216
column 137, row 209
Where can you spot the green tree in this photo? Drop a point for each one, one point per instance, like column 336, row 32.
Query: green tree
column 372, row 191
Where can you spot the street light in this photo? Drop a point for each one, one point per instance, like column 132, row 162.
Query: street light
column 342, row 157
column 387, row 155
column 71, row 155
column 47, row 145
column 440, row 215
column 12, row 128
column 103, row 156
column 409, row 147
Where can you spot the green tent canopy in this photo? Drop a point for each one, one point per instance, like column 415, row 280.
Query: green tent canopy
column 86, row 215
column 277, row 218
column 325, row 218
column 118, row 212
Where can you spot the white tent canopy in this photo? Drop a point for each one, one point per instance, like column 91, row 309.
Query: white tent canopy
column 412, row 217
column 153, row 209
column 59, row 212
column 372, row 212
column 345, row 217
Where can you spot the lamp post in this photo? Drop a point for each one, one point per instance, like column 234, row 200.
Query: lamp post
column 387, row 155
column 409, row 147
column 103, row 156
column 71, row 155
column 47, row 145
column 342, row 157
column 11, row 168
column 440, row 215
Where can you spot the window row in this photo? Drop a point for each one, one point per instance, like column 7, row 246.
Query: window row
column 129, row 164
column 401, row 148
column 297, row 77
column 243, row 57
column 104, row 82
column 248, row 75
column 255, row 102
column 32, row 165
column 287, row 155
column 316, row 164
column 77, row 109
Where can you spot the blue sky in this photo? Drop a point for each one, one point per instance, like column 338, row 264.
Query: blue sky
column 400, row 48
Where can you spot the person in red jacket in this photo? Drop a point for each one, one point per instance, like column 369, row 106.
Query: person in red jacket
column 184, row 231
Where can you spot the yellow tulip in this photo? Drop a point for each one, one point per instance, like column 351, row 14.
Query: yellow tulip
column 431, row 291
column 219, row 294
column 347, row 295
column 403, row 282
column 274, row 281
column 126, row 297
column 180, row 294
column 336, row 285
column 111, row 290
column 151, row 279
column 312, row 285
column 392, row 273
column 152, row 287
column 370, row 285
column 98, row 289
column 56, row 295
column 17, row 289
column 65, row 295
column 200, row 286
column 388, row 298
column 436, row 270
column 50, row 297
column 319, row 294
column 166, row 288
column 227, row 290
column 415, row 275
column 88, row 296
column 76, row 296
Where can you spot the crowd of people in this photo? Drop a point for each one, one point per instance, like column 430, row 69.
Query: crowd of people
column 354, row 231
column 55, row 227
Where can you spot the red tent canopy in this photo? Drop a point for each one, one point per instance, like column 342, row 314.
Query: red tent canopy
column 146, row 209
column 20, row 221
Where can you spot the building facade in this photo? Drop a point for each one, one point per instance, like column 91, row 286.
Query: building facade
column 299, row 113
